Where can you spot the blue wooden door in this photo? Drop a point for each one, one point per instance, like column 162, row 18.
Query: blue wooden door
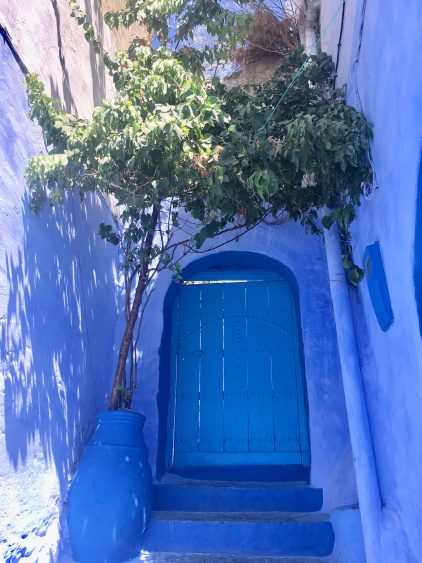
column 236, row 389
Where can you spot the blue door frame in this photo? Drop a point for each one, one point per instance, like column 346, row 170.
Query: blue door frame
column 236, row 394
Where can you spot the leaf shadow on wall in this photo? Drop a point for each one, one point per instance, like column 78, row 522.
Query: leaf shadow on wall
column 57, row 341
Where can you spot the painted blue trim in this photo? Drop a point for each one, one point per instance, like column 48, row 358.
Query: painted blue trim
column 377, row 286
column 230, row 275
column 220, row 261
column 417, row 270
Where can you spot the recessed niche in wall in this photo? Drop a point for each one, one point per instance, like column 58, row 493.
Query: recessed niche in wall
column 377, row 285
column 417, row 271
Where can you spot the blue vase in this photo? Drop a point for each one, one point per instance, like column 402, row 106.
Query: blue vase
column 110, row 496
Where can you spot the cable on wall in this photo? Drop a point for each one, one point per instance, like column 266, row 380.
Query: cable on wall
column 8, row 40
column 340, row 38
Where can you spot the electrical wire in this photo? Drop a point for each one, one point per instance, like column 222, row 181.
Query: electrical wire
column 5, row 35
column 369, row 190
column 340, row 37
column 358, row 51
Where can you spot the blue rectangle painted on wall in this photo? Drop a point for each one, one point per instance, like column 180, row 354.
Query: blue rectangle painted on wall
column 377, row 285
column 417, row 272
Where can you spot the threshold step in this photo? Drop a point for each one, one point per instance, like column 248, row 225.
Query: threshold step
column 236, row 497
column 252, row 516
column 242, row 534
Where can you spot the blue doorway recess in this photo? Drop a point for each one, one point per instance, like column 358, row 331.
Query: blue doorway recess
column 236, row 396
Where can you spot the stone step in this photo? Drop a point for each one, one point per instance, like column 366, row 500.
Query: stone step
column 236, row 497
column 267, row 534
column 219, row 558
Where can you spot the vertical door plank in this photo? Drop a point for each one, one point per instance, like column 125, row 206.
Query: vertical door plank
column 261, row 422
column 236, row 433
column 286, row 422
column 174, row 343
column 211, row 397
column 188, row 370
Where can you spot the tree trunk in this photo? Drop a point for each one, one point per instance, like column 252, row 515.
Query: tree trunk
column 113, row 403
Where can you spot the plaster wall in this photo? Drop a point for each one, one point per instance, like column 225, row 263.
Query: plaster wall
column 123, row 36
column 332, row 464
column 51, row 44
column 57, row 320
column 386, row 84
column 254, row 73
column 348, row 547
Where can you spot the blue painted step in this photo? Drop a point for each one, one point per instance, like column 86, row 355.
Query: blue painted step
column 236, row 497
column 258, row 533
column 160, row 557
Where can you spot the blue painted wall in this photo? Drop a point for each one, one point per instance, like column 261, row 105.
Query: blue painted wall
column 57, row 321
column 386, row 83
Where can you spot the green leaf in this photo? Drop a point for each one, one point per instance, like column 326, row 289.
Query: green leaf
column 327, row 221
column 106, row 232
column 355, row 275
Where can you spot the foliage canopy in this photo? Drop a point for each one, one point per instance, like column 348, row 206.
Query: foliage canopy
column 175, row 147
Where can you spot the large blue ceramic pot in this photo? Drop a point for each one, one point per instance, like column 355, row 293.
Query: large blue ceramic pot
column 110, row 496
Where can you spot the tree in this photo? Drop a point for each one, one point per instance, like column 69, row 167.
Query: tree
column 177, row 149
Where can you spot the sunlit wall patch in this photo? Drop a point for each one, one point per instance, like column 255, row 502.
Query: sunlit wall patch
column 377, row 285
column 417, row 268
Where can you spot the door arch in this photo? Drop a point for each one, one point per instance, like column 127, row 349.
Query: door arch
column 237, row 399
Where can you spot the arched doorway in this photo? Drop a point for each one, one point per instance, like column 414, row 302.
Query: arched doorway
column 236, row 401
